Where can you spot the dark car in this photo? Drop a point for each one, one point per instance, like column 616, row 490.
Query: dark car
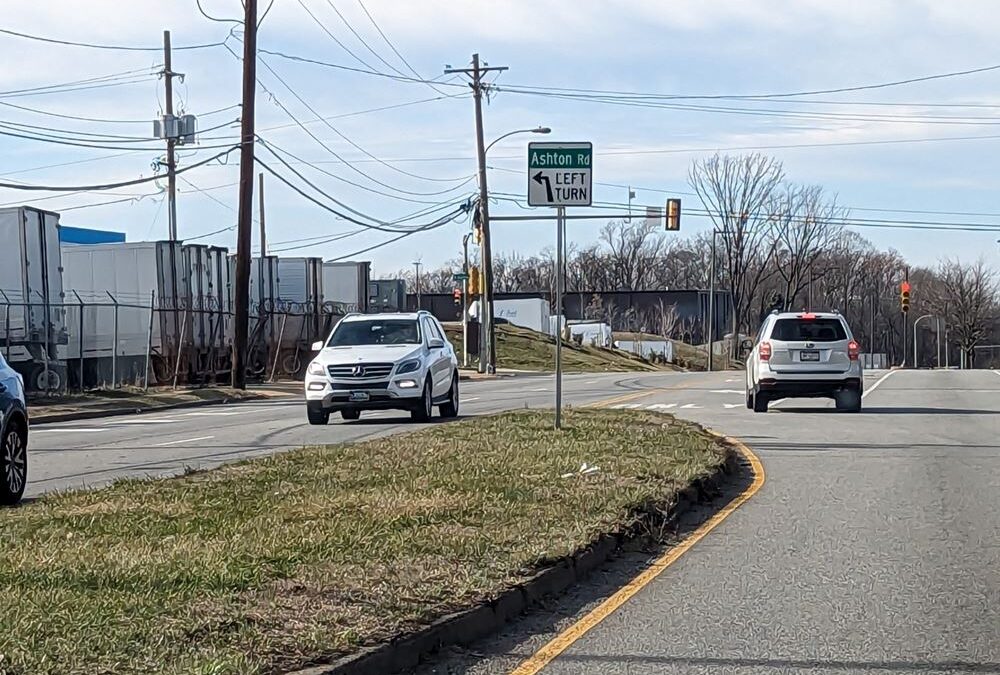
column 13, row 436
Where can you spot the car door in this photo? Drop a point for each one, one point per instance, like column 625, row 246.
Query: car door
column 440, row 360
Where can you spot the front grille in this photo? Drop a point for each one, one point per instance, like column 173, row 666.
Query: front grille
column 360, row 371
column 359, row 386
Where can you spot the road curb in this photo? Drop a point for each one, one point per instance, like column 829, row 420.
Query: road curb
column 119, row 412
column 476, row 623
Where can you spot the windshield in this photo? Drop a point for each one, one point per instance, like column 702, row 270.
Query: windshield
column 811, row 330
column 376, row 332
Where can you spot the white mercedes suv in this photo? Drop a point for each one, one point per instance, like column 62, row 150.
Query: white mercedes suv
column 804, row 355
column 383, row 362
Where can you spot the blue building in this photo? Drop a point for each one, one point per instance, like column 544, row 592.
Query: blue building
column 82, row 235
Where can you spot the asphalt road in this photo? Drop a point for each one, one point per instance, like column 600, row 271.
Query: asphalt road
column 94, row 452
column 873, row 546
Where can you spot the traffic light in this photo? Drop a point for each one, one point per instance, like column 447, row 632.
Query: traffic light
column 474, row 281
column 904, row 296
column 673, row 215
column 457, row 296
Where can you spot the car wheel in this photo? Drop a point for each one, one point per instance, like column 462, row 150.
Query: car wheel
column 759, row 403
column 425, row 408
column 13, row 464
column 848, row 401
column 749, row 399
column 350, row 414
column 317, row 416
column 450, row 408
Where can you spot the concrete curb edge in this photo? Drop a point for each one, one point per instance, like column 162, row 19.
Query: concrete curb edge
column 467, row 626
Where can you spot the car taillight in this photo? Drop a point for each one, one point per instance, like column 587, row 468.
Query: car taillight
column 852, row 350
column 765, row 351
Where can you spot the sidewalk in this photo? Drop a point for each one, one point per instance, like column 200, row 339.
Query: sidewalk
column 127, row 402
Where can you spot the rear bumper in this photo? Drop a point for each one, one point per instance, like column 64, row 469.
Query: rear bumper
column 808, row 388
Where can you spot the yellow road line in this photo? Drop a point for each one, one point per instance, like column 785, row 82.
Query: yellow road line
column 564, row 640
column 638, row 394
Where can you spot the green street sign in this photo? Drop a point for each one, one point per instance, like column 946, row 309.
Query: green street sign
column 559, row 174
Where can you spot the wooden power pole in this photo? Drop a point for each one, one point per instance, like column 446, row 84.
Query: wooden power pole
column 241, row 304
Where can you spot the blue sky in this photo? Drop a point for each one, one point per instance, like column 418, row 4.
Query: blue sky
column 733, row 48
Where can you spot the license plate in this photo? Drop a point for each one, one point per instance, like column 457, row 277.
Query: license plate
column 358, row 396
column 808, row 356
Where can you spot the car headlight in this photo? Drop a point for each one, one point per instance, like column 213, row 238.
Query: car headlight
column 316, row 368
column 408, row 366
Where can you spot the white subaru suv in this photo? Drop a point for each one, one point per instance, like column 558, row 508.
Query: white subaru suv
column 804, row 355
column 383, row 362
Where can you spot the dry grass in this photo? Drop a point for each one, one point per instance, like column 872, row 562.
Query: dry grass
column 268, row 564
column 524, row 349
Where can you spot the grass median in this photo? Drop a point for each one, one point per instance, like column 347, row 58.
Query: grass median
column 266, row 565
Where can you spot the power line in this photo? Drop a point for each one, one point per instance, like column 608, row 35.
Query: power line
column 395, row 51
column 391, row 106
column 814, row 92
column 272, row 148
column 111, row 77
column 90, row 45
column 382, row 225
column 334, row 37
column 111, row 186
column 369, row 71
column 358, row 147
column 363, row 42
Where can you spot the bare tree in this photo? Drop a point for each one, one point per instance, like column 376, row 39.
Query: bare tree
column 969, row 292
column 805, row 224
column 633, row 249
column 736, row 192
column 666, row 319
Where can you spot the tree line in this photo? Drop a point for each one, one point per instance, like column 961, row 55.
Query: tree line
column 779, row 245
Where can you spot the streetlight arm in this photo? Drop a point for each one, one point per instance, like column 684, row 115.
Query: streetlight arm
column 536, row 130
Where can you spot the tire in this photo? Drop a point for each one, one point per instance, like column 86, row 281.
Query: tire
column 749, row 399
column 317, row 416
column 450, row 408
column 425, row 408
column 352, row 414
column 759, row 403
column 13, row 464
column 848, row 400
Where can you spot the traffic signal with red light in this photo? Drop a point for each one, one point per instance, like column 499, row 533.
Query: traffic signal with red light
column 904, row 296
column 457, row 296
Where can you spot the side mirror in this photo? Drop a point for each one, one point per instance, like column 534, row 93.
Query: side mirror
column 317, row 346
column 435, row 343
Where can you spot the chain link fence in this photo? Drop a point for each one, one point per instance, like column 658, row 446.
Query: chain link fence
column 89, row 342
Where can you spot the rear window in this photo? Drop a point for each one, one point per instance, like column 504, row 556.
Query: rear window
column 811, row 330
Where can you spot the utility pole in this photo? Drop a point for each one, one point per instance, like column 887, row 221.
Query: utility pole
column 465, row 300
column 241, row 303
column 416, row 267
column 168, row 83
column 487, row 356
column 263, row 232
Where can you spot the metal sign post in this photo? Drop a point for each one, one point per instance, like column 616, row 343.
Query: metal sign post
column 560, row 232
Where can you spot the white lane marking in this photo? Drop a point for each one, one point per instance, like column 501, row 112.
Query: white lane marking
column 118, row 423
column 880, row 380
column 186, row 440
column 629, row 406
column 731, row 405
column 690, row 406
column 217, row 412
column 997, row 372
column 81, row 430
column 732, row 380
column 663, row 406
column 727, row 391
column 466, row 399
column 541, row 389
column 591, row 381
